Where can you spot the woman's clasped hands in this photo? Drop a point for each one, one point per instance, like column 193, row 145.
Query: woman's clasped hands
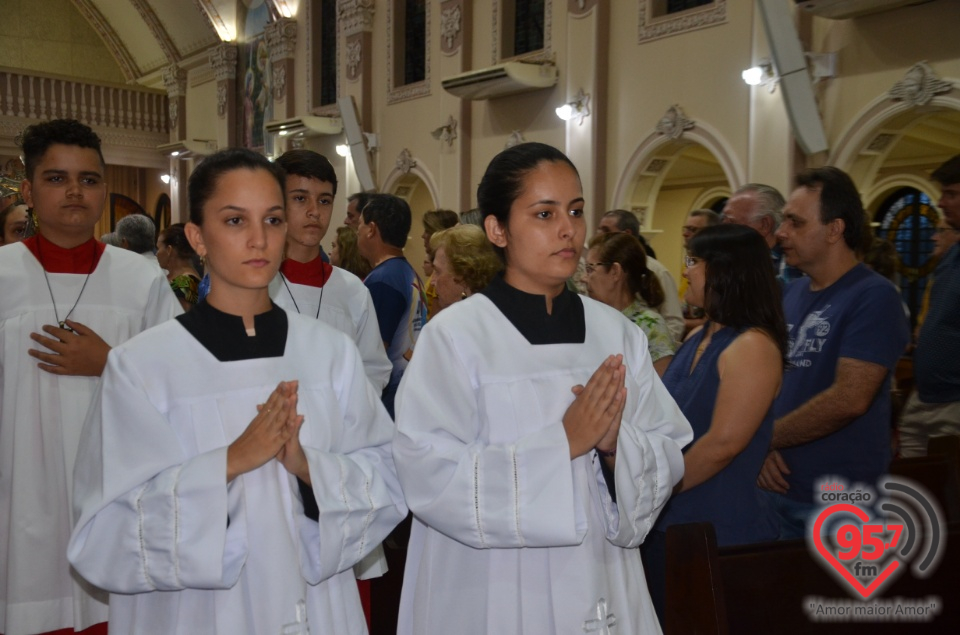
column 593, row 419
column 273, row 433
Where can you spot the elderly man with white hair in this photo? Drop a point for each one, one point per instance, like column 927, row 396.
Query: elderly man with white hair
column 138, row 233
column 761, row 207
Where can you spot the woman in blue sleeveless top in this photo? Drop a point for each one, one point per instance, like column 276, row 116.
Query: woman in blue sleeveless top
column 724, row 377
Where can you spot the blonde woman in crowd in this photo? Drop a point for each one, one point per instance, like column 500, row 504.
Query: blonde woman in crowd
column 464, row 263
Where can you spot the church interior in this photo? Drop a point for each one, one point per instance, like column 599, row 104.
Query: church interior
column 664, row 106
column 662, row 120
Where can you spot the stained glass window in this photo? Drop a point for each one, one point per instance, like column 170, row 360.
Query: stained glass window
column 907, row 218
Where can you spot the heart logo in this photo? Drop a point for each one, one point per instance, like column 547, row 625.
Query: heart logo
column 829, row 557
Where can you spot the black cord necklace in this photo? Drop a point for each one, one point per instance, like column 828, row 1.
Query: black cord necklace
column 93, row 263
column 323, row 285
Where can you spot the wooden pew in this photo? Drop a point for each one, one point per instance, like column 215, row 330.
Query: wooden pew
column 763, row 588
column 938, row 472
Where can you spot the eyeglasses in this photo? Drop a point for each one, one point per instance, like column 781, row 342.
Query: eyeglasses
column 690, row 261
column 943, row 230
column 590, row 267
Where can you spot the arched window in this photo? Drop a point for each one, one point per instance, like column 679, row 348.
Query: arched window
column 907, row 218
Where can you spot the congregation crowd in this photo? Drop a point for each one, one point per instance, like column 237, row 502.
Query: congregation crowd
column 217, row 427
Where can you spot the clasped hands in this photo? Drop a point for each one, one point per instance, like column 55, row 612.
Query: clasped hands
column 273, row 434
column 593, row 419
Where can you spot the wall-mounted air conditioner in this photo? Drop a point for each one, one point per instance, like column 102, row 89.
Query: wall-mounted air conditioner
column 842, row 9
column 509, row 78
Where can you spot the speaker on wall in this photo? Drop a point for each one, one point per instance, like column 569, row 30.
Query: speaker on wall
column 790, row 63
column 357, row 140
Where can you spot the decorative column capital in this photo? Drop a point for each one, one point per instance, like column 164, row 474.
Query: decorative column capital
column 223, row 61
column 175, row 81
column 281, row 36
column 356, row 16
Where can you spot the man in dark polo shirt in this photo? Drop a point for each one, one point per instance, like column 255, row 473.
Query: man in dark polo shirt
column 934, row 407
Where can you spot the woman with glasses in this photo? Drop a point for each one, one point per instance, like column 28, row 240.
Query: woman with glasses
column 616, row 274
column 737, row 353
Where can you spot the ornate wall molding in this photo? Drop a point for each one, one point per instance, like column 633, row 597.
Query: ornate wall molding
column 395, row 93
column 175, row 81
column 174, row 113
column 919, row 86
column 674, row 123
column 546, row 53
column 405, row 161
column 653, row 27
column 222, row 99
column 451, row 26
column 279, row 82
column 354, row 46
column 356, row 16
column 223, row 61
column 281, row 37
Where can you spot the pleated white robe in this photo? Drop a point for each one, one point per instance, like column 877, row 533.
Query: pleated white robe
column 345, row 304
column 347, row 307
column 510, row 535
column 183, row 552
column 41, row 416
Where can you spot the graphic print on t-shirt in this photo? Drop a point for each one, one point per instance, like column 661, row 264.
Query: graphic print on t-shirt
column 810, row 336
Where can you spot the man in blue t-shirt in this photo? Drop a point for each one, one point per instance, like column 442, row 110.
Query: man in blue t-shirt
column 395, row 287
column 847, row 330
column 934, row 408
